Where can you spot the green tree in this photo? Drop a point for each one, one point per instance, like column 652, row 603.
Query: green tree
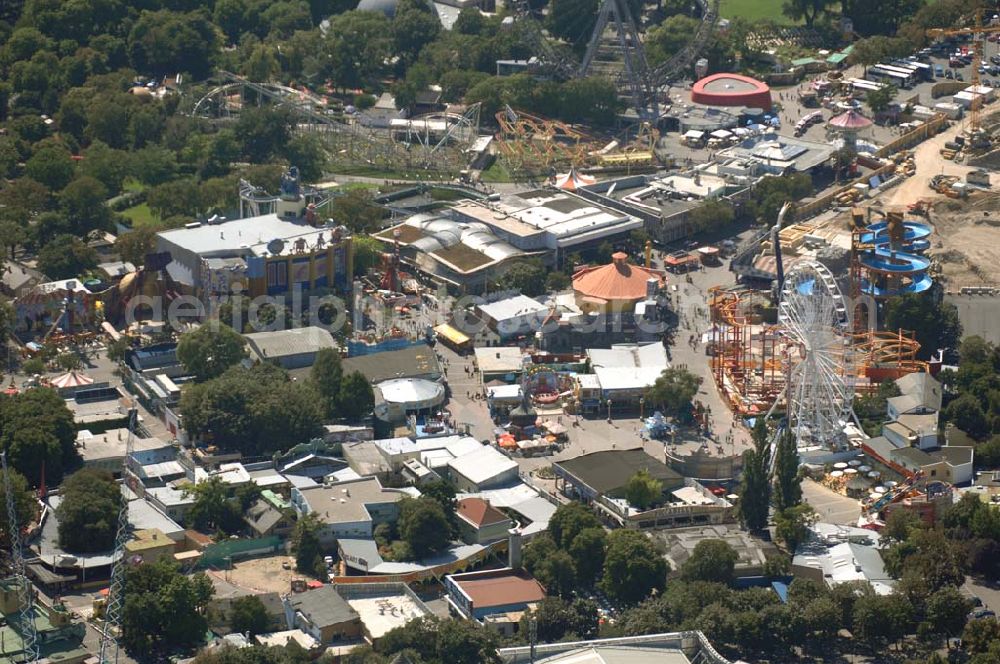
column 356, row 47
column 632, row 567
column 306, row 544
column 213, row 509
column 568, row 521
column 356, row 209
column 979, row 636
column 805, row 10
column 356, row 398
column 755, row 487
column 66, row 257
column 711, row 216
column 136, row 244
column 556, row 619
column 88, row 512
column 413, row 27
column 210, row 350
column 791, row 525
column 669, row 37
column 327, row 374
column 69, row 361
column 436, row 640
column 25, row 506
column 935, row 323
column 164, row 609
column 37, row 431
column 424, row 526
column 257, row 410
column 557, row 573
column 673, row 391
column 878, row 100
column 249, row 616
column 712, row 560
column 367, row 253
column 51, row 165
column 871, row 408
column 83, row 202
column 643, row 490
column 443, row 492
column 966, row 413
column 166, row 42
column 880, row 619
column 264, row 132
column 587, row 551
column 946, row 611
column 526, row 277
column 787, row 483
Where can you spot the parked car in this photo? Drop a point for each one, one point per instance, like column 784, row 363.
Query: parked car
column 949, row 74
column 958, row 76
column 981, row 613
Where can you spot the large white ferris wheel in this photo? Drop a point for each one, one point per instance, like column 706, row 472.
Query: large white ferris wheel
column 821, row 367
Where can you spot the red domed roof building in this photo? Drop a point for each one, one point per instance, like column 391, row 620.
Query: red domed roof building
column 732, row 90
column 615, row 287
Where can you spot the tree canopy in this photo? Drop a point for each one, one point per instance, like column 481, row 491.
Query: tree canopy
column 210, row 350
column 37, row 431
column 88, row 512
column 257, row 410
column 673, row 391
column 633, row 569
column 164, row 609
column 712, row 560
column 424, row 526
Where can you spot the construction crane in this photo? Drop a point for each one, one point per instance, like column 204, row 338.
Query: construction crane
column 116, row 592
column 977, row 32
column 25, row 593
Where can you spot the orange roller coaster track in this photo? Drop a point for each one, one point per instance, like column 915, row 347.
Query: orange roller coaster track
column 748, row 354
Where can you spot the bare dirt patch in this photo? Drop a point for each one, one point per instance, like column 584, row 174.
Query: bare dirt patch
column 263, row 574
column 966, row 242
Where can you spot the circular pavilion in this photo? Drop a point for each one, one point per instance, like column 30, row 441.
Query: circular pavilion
column 732, row 90
column 615, row 287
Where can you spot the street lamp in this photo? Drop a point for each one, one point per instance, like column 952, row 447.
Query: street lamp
column 642, row 403
column 609, row 411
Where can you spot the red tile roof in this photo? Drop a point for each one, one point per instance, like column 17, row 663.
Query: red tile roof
column 502, row 588
column 479, row 512
column 617, row 281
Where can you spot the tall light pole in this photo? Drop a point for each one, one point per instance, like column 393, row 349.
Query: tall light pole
column 609, row 411
column 642, row 403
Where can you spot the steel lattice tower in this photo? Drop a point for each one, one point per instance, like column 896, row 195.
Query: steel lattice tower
column 116, row 592
column 25, row 594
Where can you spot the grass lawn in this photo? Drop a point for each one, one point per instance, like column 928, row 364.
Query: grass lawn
column 497, row 172
column 754, row 10
column 132, row 185
column 141, row 215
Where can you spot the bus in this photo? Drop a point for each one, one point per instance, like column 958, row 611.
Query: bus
column 884, row 74
column 923, row 70
column 909, row 72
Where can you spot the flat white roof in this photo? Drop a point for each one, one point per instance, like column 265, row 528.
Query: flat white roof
column 625, row 378
column 244, row 236
column 499, row 359
column 383, row 613
column 513, row 307
column 482, row 465
column 629, row 355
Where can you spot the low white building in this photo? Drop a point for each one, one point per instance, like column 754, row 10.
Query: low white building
column 486, row 468
column 514, row 316
column 835, row 554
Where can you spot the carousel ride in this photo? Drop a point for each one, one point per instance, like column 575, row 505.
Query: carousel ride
column 545, row 386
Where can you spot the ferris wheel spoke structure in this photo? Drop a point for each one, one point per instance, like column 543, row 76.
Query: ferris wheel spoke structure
column 820, row 378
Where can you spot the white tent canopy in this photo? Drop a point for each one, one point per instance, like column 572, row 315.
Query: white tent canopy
column 722, row 133
column 694, row 134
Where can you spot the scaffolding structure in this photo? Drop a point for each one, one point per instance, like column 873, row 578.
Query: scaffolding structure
column 533, row 143
column 749, row 357
column 747, row 354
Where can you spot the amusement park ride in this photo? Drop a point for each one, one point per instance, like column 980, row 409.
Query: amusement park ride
column 809, row 360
